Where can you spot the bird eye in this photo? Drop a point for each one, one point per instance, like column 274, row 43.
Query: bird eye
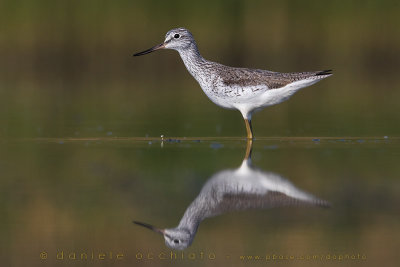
column 176, row 36
column 176, row 241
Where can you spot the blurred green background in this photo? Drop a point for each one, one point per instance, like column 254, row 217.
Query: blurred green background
column 66, row 68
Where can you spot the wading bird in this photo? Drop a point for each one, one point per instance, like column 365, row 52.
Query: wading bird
column 247, row 90
column 239, row 189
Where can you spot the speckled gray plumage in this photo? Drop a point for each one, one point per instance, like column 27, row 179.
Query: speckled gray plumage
column 234, row 190
column 241, row 189
column 197, row 65
column 274, row 80
column 244, row 89
column 223, row 81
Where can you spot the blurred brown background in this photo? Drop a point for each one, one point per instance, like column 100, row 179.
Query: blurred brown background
column 66, row 70
column 66, row 67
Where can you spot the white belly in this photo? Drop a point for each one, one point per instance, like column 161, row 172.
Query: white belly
column 252, row 98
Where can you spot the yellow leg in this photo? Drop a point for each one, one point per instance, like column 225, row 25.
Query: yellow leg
column 249, row 146
column 249, row 129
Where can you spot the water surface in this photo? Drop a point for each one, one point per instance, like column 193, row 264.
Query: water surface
column 80, row 196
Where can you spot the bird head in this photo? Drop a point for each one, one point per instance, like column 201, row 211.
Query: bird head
column 175, row 238
column 178, row 39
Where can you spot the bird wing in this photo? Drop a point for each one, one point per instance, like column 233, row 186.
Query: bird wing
column 250, row 77
column 245, row 201
column 244, row 82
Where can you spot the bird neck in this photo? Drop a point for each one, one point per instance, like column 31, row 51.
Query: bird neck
column 190, row 224
column 192, row 218
column 192, row 59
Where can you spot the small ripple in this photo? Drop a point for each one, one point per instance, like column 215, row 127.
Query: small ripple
column 216, row 145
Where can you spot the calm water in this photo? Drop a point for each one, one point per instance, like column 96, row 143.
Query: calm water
column 70, row 198
column 66, row 70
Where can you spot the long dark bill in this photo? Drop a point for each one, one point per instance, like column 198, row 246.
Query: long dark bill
column 154, row 48
column 151, row 227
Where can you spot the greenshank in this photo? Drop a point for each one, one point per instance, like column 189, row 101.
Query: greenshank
column 234, row 190
column 247, row 90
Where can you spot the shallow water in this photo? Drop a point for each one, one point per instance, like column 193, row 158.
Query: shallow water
column 66, row 71
column 66, row 197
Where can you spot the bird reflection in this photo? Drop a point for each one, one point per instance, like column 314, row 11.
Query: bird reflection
column 238, row 189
